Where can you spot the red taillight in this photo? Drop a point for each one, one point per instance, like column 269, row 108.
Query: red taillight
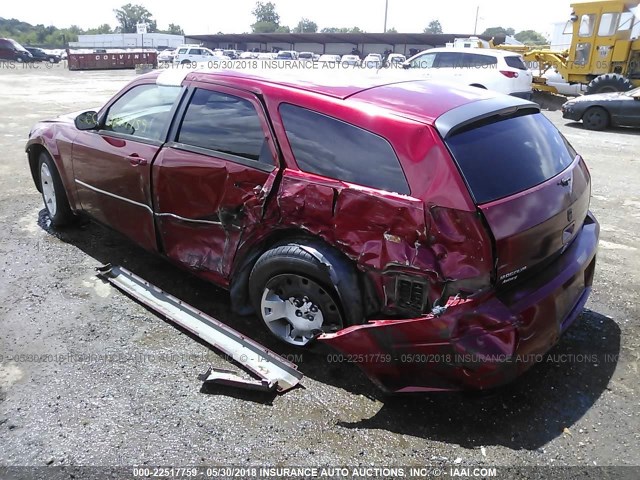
column 508, row 74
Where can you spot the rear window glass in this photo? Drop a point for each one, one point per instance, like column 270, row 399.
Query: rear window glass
column 515, row 62
column 335, row 149
column 503, row 158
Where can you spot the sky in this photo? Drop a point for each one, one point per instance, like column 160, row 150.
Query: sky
column 212, row 16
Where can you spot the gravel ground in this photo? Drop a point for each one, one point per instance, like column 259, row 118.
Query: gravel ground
column 120, row 386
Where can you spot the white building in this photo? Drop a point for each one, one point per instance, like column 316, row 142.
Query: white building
column 128, row 40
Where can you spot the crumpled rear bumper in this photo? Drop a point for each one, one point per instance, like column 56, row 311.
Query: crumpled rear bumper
column 480, row 343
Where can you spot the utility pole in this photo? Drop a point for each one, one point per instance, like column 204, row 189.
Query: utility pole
column 475, row 29
column 386, row 8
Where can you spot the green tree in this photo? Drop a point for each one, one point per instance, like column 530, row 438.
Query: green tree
column 175, row 29
column 129, row 16
column 267, row 19
column 495, row 31
column 104, row 28
column 306, row 26
column 264, row 27
column 342, row 30
column 391, row 30
column 531, row 37
column 283, row 29
column 434, row 27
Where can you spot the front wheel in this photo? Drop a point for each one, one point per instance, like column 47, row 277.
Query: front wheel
column 53, row 193
column 294, row 296
column 596, row 118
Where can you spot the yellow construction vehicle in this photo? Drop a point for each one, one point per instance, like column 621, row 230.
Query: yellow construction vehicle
column 604, row 53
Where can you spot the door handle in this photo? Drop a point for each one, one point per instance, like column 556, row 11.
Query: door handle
column 136, row 160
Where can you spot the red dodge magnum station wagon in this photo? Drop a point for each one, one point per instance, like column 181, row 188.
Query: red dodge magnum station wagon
column 441, row 237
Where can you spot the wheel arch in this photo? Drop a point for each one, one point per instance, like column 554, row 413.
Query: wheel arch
column 342, row 270
column 33, row 154
column 596, row 105
column 34, row 150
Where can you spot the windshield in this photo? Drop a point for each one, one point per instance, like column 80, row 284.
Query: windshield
column 17, row 45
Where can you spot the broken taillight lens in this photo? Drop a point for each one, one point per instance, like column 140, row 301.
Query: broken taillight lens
column 509, row 74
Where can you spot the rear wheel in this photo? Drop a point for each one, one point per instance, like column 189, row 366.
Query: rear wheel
column 294, row 296
column 609, row 83
column 596, row 118
column 53, row 193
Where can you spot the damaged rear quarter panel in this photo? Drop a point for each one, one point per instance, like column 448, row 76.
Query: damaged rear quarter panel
column 435, row 233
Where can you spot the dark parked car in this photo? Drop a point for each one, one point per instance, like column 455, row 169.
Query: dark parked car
column 12, row 50
column 600, row 111
column 440, row 237
column 40, row 55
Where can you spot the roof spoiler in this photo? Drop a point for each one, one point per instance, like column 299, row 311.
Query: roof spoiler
column 500, row 106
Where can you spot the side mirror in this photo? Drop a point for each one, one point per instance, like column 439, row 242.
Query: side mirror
column 406, row 65
column 87, row 121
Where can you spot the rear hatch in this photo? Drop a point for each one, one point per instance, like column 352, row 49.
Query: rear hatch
column 531, row 186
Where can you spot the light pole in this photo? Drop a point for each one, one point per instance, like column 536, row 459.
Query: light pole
column 475, row 29
column 386, row 8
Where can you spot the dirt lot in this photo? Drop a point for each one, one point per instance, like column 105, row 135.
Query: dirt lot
column 123, row 388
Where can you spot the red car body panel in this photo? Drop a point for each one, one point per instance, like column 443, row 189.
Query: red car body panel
column 480, row 343
column 210, row 215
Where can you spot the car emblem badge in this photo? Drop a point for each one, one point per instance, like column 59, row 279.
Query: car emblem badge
column 570, row 215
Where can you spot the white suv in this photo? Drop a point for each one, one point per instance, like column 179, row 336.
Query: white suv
column 196, row 53
column 497, row 70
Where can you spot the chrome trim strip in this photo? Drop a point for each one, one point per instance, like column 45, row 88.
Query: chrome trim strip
column 138, row 204
column 191, row 220
column 109, row 194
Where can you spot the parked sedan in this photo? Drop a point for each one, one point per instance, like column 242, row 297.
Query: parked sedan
column 166, row 56
column 358, row 213
column 40, row 55
column 373, row 60
column 329, row 59
column 600, row 111
column 350, row 61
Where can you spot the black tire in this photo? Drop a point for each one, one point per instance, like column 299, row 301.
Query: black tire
column 57, row 207
column 184, row 62
column 609, row 83
column 290, row 272
column 596, row 118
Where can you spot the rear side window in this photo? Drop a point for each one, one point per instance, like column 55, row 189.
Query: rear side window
column 332, row 148
column 506, row 157
column 515, row 62
column 449, row 60
column 226, row 124
column 474, row 60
